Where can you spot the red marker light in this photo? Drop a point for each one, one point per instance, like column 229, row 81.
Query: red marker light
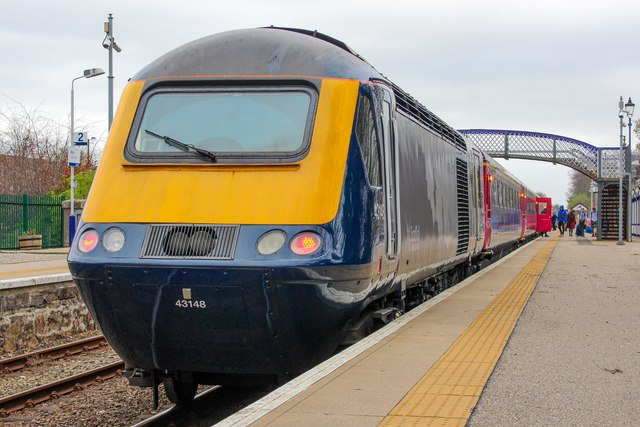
column 306, row 243
column 88, row 241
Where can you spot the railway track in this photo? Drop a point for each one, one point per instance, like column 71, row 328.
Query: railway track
column 208, row 408
column 55, row 389
column 16, row 363
column 175, row 414
column 211, row 405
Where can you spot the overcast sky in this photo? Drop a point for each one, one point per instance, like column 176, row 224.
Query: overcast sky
column 557, row 67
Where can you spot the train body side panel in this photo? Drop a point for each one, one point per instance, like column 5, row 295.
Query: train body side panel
column 427, row 191
column 506, row 208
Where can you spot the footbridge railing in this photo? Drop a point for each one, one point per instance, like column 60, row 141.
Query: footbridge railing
column 601, row 164
column 595, row 162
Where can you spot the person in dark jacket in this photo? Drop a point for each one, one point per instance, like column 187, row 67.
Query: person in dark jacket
column 582, row 221
column 554, row 220
column 562, row 219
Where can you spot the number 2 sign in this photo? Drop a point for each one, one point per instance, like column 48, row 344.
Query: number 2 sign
column 80, row 138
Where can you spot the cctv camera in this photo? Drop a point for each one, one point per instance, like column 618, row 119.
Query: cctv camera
column 116, row 47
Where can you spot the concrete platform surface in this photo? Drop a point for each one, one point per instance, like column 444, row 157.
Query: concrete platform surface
column 24, row 264
column 573, row 358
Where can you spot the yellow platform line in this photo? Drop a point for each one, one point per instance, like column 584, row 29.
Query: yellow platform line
column 447, row 393
column 17, row 274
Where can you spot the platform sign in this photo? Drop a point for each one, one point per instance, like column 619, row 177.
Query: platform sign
column 80, row 138
column 74, row 156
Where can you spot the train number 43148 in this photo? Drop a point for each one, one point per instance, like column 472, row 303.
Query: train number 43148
column 187, row 303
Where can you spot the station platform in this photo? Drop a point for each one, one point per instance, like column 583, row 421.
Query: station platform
column 546, row 336
column 32, row 263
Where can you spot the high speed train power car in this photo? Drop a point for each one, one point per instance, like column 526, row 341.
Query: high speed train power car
column 266, row 197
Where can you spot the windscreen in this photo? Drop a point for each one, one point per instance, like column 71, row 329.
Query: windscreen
column 239, row 122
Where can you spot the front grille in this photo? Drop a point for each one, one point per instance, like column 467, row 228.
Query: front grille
column 190, row 241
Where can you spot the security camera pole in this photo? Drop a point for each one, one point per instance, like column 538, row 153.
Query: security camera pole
column 110, row 44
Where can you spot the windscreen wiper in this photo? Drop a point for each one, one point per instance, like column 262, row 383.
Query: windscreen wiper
column 182, row 146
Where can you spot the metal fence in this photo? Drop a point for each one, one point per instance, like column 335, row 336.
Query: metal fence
column 20, row 214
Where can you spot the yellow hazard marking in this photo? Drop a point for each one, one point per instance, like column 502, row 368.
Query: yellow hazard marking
column 16, row 274
column 448, row 392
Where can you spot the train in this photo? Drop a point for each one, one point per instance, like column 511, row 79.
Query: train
column 265, row 198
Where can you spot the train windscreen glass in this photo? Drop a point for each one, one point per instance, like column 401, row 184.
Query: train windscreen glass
column 224, row 122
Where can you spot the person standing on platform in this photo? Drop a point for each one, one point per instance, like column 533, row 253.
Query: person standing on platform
column 582, row 218
column 562, row 219
column 594, row 222
column 554, row 220
column 572, row 222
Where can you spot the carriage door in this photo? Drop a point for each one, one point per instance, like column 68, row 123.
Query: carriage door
column 476, row 202
column 390, row 176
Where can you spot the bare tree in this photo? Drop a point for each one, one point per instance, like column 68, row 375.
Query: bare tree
column 578, row 183
column 33, row 151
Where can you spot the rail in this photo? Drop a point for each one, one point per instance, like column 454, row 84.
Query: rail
column 18, row 362
column 54, row 390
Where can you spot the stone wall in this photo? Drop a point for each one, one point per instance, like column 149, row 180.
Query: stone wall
column 30, row 316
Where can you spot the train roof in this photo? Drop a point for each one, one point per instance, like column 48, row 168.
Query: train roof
column 262, row 51
column 495, row 165
column 284, row 52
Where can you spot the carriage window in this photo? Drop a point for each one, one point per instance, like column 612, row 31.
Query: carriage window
column 543, row 208
column 232, row 122
column 368, row 140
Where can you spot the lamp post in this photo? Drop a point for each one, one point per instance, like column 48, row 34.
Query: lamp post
column 620, row 170
column 628, row 110
column 87, row 74
column 629, row 107
column 110, row 44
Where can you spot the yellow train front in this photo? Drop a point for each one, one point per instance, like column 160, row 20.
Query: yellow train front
column 227, row 236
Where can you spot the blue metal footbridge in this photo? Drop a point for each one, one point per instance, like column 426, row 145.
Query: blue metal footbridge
column 602, row 164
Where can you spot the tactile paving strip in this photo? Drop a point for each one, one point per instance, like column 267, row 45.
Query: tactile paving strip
column 447, row 393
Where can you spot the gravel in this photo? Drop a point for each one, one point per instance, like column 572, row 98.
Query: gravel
column 44, row 371
column 112, row 402
column 51, row 343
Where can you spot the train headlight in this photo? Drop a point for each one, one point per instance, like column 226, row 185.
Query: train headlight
column 271, row 242
column 113, row 239
column 88, row 241
column 306, row 243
